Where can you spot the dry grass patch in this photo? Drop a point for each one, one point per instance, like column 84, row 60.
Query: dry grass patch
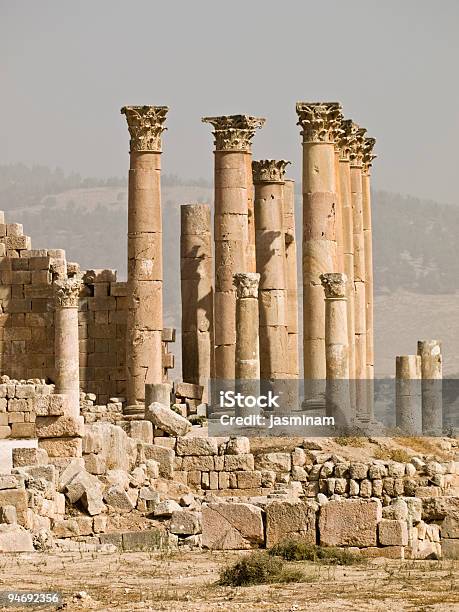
column 258, row 568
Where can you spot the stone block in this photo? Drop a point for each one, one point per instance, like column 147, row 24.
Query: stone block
column 164, row 457
column 197, row 446
column 278, row 462
column 72, row 527
column 17, row 498
column 142, row 430
column 8, row 481
column 23, row 430
column 350, row 522
column 116, row 497
column 166, row 419
column 387, row 552
column 450, row 548
column 232, row 526
column 247, row 480
column 133, row 541
column 61, row 447
column 8, row 515
column 358, row 471
column 166, row 508
column 60, row 427
column 185, row 522
column 290, row 519
column 202, row 463
column 189, row 390
column 15, row 539
column 238, row 445
column 244, row 463
column 75, row 467
column 393, row 533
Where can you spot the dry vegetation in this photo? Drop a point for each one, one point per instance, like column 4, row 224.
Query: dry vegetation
column 188, row 582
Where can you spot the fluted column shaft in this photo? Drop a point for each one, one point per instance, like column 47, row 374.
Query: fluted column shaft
column 368, row 250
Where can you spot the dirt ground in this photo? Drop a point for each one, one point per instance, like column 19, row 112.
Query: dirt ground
column 186, row 581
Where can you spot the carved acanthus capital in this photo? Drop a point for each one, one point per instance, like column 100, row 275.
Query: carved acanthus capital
column 246, row 284
column 356, row 145
column 269, row 170
column 234, row 132
column 344, row 140
column 334, row 284
column 67, row 291
column 368, row 157
column 319, row 121
column 145, row 125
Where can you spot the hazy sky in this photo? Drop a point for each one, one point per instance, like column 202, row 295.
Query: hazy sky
column 68, row 67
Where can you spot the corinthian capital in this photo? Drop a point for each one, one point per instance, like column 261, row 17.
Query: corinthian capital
column 145, row 125
column 319, row 121
column 368, row 157
column 246, row 284
column 269, row 170
column 334, row 284
column 234, row 132
column 356, row 144
column 344, row 140
column 67, row 291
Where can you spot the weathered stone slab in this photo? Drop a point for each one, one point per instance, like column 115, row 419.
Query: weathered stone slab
column 29, row 456
column 164, row 456
column 141, row 540
column 166, row 419
column 232, row 526
column 278, row 462
column 450, row 548
column 350, row 522
column 290, row 519
column 18, row 499
column 117, row 498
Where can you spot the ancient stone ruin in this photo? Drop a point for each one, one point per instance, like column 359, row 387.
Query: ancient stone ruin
column 100, row 450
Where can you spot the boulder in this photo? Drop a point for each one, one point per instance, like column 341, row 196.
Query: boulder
column 351, row 522
column 290, row 519
column 232, row 526
column 166, row 419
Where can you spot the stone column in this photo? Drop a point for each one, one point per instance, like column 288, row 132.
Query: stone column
column 197, row 294
column 268, row 178
column 66, row 345
column 431, row 386
column 247, row 347
column 408, row 409
column 319, row 122
column 145, row 275
column 233, row 135
column 368, row 249
column 348, row 246
column 339, row 207
column 291, row 277
column 356, row 162
column 336, row 345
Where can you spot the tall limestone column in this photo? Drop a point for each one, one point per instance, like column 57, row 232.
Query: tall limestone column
column 66, row 346
column 319, row 122
column 348, row 244
column 339, row 206
column 291, row 276
column 336, row 345
column 247, row 346
column 356, row 161
column 368, row 157
column 145, row 273
column 268, row 178
column 233, row 135
column 197, row 294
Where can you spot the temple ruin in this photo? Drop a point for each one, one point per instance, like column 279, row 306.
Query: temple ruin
column 90, row 420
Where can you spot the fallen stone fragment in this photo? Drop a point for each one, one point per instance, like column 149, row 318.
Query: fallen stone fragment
column 166, row 419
